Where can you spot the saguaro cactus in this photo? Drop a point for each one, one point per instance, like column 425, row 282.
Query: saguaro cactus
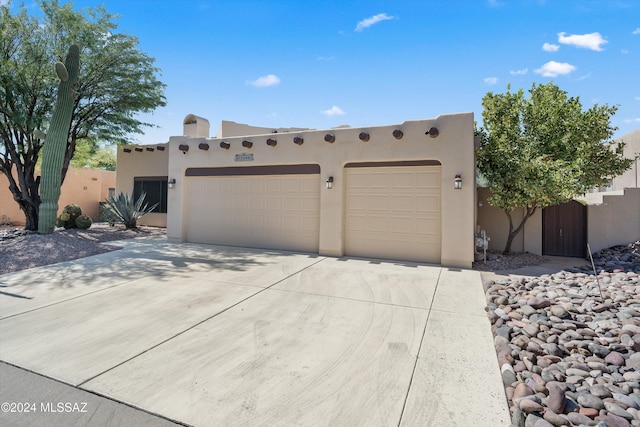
column 55, row 142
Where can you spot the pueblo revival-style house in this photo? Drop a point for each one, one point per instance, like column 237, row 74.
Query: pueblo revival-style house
column 401, row 192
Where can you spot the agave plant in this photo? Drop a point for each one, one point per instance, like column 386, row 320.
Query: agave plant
column 122, row 208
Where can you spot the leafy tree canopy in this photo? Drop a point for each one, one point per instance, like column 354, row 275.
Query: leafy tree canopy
column 117, row 83
column 95, row 156
column 543, row 150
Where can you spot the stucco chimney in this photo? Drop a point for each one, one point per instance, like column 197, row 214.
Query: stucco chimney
column 196, row 127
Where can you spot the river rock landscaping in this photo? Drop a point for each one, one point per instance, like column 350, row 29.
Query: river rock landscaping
column 568, row 344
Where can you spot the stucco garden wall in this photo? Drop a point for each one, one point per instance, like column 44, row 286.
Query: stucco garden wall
column 496, row 224
column 84, row 187
column 614, row 222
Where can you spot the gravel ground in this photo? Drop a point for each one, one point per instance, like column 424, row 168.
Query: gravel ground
column 20, row 249
column 496, row 261
column 568, row 343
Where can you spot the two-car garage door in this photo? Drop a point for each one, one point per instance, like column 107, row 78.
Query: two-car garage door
column 391, row 210
column 260, row 207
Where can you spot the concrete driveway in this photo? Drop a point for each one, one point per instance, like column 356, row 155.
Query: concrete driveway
column 205, row 335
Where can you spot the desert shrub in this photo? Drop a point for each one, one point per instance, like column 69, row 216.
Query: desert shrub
column 69, row 218
column 83, row 222
column 124, row 209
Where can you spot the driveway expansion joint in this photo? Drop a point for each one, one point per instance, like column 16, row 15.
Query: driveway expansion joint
column 196, row 324
column 418, row 355
column 313, row 294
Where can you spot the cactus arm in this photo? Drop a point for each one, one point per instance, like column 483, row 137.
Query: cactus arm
column 55, row 143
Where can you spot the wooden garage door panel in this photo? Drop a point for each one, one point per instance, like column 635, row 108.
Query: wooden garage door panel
column 393, row 212
column 268, row 211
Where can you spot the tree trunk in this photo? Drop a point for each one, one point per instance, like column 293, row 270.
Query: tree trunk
column 24, row 187
column 31, row 216
column 529, row 211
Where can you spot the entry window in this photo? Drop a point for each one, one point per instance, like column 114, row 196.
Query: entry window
column 156, row 189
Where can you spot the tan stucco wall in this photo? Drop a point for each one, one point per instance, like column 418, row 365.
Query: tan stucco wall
column 454, row 148
column 84, row 187
column 631, row 178
column 616, row 221
column 140, row 164
column 230, row 129
column 496, row 224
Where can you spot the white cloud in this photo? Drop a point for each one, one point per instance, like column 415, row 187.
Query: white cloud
column 636, row 31
column 326, row 58
column 637, row 98
column 265, row 81
column 519, row 72
column 550, row 47
column 366, row 23
column 637, row 119
column 555, row 69
column 591, row 41
column 491, row 80
column 334, row 111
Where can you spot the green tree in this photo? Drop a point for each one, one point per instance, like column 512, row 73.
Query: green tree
column 544, row 150
column 117, row 82
column 90, row 154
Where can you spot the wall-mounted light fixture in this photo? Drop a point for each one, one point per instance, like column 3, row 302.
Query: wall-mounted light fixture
column 272, row 142
column 398, row 134
column 225, row 145
column 331, row 138
column 184, row 148
column 457, row 182
column 433, row 132
column 329, row 183
column 171, row 184
column 247, row 144
column 298, row 140
column 363, row 136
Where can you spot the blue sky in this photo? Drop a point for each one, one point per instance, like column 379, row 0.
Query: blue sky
column 320, row 64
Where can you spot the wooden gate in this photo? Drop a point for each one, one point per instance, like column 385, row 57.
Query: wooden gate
column 564, row 230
